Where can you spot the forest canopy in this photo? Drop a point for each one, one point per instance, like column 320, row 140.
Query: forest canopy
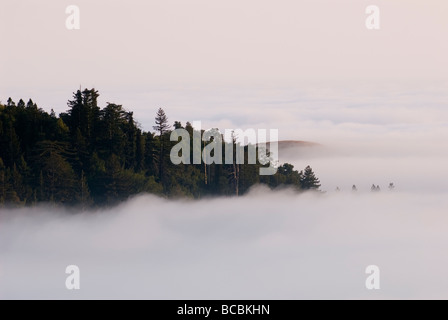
column 92, row 156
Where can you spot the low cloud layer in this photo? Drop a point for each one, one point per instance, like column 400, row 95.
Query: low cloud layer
column 266, row 245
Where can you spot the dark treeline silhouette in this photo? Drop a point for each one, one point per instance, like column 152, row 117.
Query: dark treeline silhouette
column 90, row 156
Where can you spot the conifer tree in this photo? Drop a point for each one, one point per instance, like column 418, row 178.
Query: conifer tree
column 162, row 128
column 309, row 180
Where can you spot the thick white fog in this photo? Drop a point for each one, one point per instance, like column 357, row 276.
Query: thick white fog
column 266, row 245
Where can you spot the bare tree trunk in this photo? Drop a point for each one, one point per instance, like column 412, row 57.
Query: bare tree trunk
column 3, row 196
column 237, row 180
column 205, row 171
column 82, row 191
column 161, row 159
column 236, row 176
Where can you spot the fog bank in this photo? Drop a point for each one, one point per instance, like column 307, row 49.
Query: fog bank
column 266, row 245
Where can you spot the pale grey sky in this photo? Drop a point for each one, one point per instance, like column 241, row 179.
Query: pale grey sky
column 222, row 42
column 227, row 62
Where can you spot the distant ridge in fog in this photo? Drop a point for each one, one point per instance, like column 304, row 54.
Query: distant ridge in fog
column 286, row 144
column 296, row 143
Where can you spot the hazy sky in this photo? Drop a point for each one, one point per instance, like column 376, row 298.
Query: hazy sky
column 145, row 43
column 205, row 59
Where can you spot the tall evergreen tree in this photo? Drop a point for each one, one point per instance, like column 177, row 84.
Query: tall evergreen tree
column 309, row 180
column 162, row 128
column 161, row 121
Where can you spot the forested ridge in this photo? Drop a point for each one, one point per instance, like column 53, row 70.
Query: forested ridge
column 92, row 156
